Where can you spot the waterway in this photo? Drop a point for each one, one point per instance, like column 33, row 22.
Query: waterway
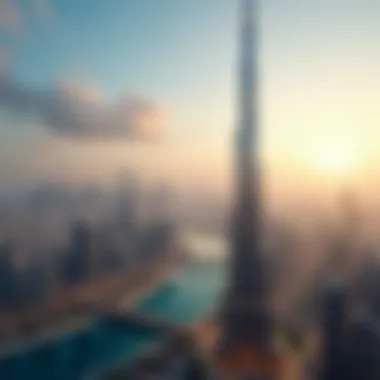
column 99, row 347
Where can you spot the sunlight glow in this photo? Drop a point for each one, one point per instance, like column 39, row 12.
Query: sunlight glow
column 333, row 158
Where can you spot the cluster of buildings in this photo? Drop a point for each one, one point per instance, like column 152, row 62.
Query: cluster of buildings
column 18, row 287
column 350, row 325
column 91, row 252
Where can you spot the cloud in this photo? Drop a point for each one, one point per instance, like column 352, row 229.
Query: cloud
column 79, row 110
column 10, row 18
column 4, row 59
column 44, row 10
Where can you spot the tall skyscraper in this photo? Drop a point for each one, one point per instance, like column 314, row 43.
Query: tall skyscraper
column 246, row 328
column 8, row 278
column 78, row 265
column 34, row 281
column 127, row 207
column 334, row 315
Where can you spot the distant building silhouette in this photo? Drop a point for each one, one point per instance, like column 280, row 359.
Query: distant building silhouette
column 334, row 320
column 78, row 261
column 127, row 205
column 362, row 356
column 8, row 277
column 367, row 284
column 34, row 282
column 108, row 253
column 351, row 338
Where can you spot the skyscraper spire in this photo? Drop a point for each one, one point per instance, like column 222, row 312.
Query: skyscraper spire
column 246, row 337
column 246, row 228
column 247, row 280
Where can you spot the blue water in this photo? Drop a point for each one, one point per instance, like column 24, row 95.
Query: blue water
column 102, row 346
column 189, row 296
column 81, row 355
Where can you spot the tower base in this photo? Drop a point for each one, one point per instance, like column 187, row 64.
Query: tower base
column 246, row 347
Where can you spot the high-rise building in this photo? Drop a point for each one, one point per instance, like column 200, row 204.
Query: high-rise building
column 34, row 281
column 107, row 252
column 8, row 278
column 334, row 320
column 245, row 347
column 126, row 212
column 362, row 351
column 78, row 261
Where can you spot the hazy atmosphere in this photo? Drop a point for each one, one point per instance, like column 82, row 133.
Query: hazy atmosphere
column 117, row 132
column 89, row 89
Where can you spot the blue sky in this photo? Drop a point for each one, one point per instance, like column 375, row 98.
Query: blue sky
column 319, row 77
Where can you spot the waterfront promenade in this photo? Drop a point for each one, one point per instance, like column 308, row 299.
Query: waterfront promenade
column 62, row 310
column 102, row 346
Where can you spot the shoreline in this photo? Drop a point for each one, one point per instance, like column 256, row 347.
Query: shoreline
column 122, row 290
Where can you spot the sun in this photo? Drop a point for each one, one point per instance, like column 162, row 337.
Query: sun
column 333, row 158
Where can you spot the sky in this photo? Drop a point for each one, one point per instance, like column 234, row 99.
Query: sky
column 156, row 81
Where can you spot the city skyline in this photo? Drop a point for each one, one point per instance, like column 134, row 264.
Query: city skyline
column 189, row 185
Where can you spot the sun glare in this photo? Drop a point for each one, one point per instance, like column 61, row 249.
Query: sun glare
column 333, row 158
